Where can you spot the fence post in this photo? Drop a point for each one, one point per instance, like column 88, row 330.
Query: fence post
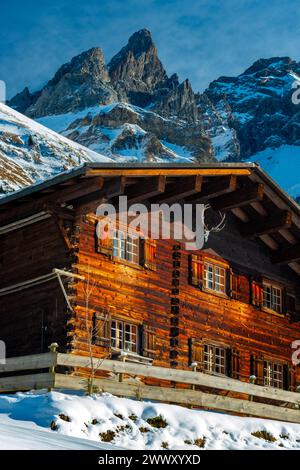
column 53, row 350
column 252, row 379
column 123, row 359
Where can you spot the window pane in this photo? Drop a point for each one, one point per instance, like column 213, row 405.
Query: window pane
column 273, row 374
column 124, row 336
column 214, row 359
column 208, row 276
column 272, row 298
column 214, row 277
column 119, row 244
column 132, row 249
column 117, row 334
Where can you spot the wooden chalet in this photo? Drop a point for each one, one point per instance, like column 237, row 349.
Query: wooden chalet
column 230, row 309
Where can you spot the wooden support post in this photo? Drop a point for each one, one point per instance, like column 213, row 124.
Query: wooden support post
column 252, row 379
column 123, row 359
column 53, row 350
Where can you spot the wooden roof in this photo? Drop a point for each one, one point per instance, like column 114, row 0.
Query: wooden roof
column 263, row 209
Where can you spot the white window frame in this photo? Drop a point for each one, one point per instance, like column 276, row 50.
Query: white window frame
column 125, row 336
column 213, row 274
column 272, row 297
column 273, row 374
column 126, row 246
column 214, row 359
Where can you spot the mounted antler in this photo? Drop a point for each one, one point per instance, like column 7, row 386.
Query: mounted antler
column 216, row 228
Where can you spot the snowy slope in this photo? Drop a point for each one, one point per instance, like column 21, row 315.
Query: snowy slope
column 85, row 422
column 283, row 165
column 29, row 152
column 23, row 435
column 121, row 131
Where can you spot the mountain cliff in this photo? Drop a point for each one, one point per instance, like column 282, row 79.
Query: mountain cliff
column 131, row 110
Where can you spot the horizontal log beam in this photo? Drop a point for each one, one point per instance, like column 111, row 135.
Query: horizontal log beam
column 168, row 172
column 184, row 397
column 267, row 225
column 111, row 189
column 239, row 198
column 146, row 189
column 218, row 187
column 181, row 189
column 180, row 376
column 287, row 255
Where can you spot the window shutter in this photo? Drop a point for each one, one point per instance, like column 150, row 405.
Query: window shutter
column 148, row 341
column 196, row 353
column 196, row 270
column 289, row 377
column 235, row 285
column 148, row 254
column 102, row 329
column 292, row 378
column 105, row 242
column 234, row 364
column 286, row 377
column 257, row 369
column 289, row 303
column 257, row 294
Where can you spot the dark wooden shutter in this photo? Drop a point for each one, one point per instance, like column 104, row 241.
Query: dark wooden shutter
column 289, row 303
column 148, row 341
column 196, row 353
column 105, row 242
column 148, row 253
column 292, row 378
column 289, row 378
column 102, row 329
column 233, row 363
column 257, row 294
column 235, row 285
column 196, row 270
column 257, row 369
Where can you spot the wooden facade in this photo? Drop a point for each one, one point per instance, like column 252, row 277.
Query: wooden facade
column 232, row 308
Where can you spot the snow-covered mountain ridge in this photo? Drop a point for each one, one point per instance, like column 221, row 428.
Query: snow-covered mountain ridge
column 131, row 110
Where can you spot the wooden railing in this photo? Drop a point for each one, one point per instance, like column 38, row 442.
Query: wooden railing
column 285, row 405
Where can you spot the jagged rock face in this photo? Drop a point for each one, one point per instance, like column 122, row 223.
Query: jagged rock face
column 262, row 112
column 101, row 131
column 136, row 70
column 81, row 83
column 178, row 103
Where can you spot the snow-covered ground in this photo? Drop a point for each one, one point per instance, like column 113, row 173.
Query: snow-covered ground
column 283, row 165
column 102, row 421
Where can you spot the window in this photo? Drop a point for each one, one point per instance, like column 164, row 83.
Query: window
column 272, row 298
column 126, row 246
column 124, row 336
column 273, row 374
column 214, row 359
column 214, row 277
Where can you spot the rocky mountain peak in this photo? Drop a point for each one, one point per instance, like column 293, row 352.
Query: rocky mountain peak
column 80, row 83
column 90, row 63
column 136, row 70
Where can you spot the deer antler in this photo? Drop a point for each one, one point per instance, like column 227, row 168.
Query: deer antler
column 217, row 228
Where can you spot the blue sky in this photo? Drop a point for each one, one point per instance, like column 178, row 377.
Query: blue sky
column 198, row 39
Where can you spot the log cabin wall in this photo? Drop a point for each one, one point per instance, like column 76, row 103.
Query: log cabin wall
column 141, row 296
column 32, row 318
column 176, row 318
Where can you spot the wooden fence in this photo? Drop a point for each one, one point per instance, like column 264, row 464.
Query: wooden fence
column 285, row 405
